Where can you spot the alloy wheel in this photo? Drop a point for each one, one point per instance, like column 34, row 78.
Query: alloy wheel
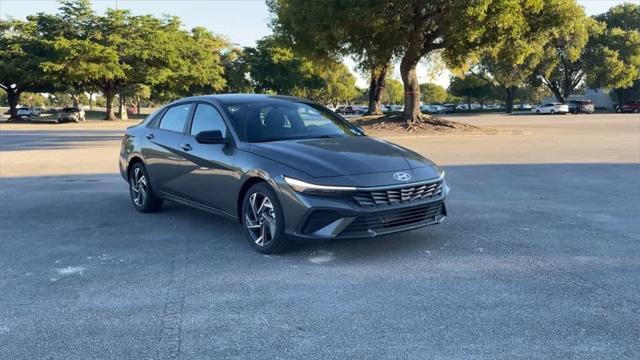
column 260, row 219
column 139, row 188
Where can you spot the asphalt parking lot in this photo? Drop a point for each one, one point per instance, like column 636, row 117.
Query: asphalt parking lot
column 539, row 258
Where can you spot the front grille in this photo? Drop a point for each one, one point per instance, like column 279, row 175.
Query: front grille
column 379, row 223
column 394, row 196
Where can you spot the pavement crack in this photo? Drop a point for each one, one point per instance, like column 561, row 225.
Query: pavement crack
column 170, row 340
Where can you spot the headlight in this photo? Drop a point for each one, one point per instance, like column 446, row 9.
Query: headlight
column 313, row 189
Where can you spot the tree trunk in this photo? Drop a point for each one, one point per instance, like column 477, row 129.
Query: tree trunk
column 138, row 106
column 90, row 101
column 376, row 87
column 122, row 109
column 509, row 101
column 412, row 113
column 13, row 97
column 109, row 96
column 74, row 98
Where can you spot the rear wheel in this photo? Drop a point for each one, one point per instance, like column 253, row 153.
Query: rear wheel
column 263, row 220
column 537, row 112
column 142, row 196
column 636, row 110
column 552, row 112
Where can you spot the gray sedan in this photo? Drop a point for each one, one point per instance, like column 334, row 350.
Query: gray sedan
column 284, row 167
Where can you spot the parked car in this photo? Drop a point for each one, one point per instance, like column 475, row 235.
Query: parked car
column 630, row 107
column 524, row 107
column 581, row 106
column 362, row 110
column 28, row 112
column 463, row 107
column 449, row 108
column 255, row 159
column 551, row 108
column 347, row 110
column 433, row 109
column 394, row 108
column 71, row 114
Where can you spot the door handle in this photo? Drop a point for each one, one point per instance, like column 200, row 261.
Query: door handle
column 186, row 147
column 150, row 136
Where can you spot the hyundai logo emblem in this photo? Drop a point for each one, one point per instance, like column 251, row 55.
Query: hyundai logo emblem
column 402, row 176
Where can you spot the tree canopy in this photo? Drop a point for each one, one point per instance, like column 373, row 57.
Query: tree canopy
column 331, row 29
column 471, row 88
column 433, row 93
column 78, row 50
column 274, row 67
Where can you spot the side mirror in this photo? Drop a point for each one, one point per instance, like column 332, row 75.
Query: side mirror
column 210, row 137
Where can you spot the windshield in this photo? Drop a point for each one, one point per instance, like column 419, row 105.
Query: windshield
column 274, row 120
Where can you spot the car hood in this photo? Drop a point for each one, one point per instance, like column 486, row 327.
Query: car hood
column 340, row 156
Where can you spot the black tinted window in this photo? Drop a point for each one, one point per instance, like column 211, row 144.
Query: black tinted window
column 175, row 118
column 207, row 118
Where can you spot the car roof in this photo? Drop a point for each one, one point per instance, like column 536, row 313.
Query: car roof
column 243, row 98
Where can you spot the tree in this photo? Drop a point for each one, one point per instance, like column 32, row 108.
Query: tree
column 330, row 29
column 459, row 28
column 471, row 87
column 393, row 92
column 119, row 51
column 236, row 72
column 196, row 67
column 339, row 84
column 624, row 16
column 275, row 68
column 433, row 93
column 562, row 67
column 615, row 56
column 21, row 56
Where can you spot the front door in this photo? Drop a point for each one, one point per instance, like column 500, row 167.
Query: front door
column 209, row 175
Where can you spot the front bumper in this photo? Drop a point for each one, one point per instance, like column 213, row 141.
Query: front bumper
column 324, row 223
column 315, row 217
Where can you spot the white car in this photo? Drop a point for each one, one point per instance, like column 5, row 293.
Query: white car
column 395, row 108
column 26, row 113
column 433, row 109
column 551, row 108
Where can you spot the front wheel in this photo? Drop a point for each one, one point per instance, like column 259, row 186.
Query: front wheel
column 552, row 112
column 263, row 220
column 142, row 196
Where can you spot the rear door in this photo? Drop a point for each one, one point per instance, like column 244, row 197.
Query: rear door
column 209, row 176
column 160, row 147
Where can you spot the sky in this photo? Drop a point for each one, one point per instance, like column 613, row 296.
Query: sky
column 241, row 21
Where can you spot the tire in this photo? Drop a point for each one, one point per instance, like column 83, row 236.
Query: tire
column 537, row 112
column 552, row 112
column 636, row 111
column 142, row 196
column 263, row 220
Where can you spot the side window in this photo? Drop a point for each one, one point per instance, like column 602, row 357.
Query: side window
column 207, row 118
column 175, row 118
